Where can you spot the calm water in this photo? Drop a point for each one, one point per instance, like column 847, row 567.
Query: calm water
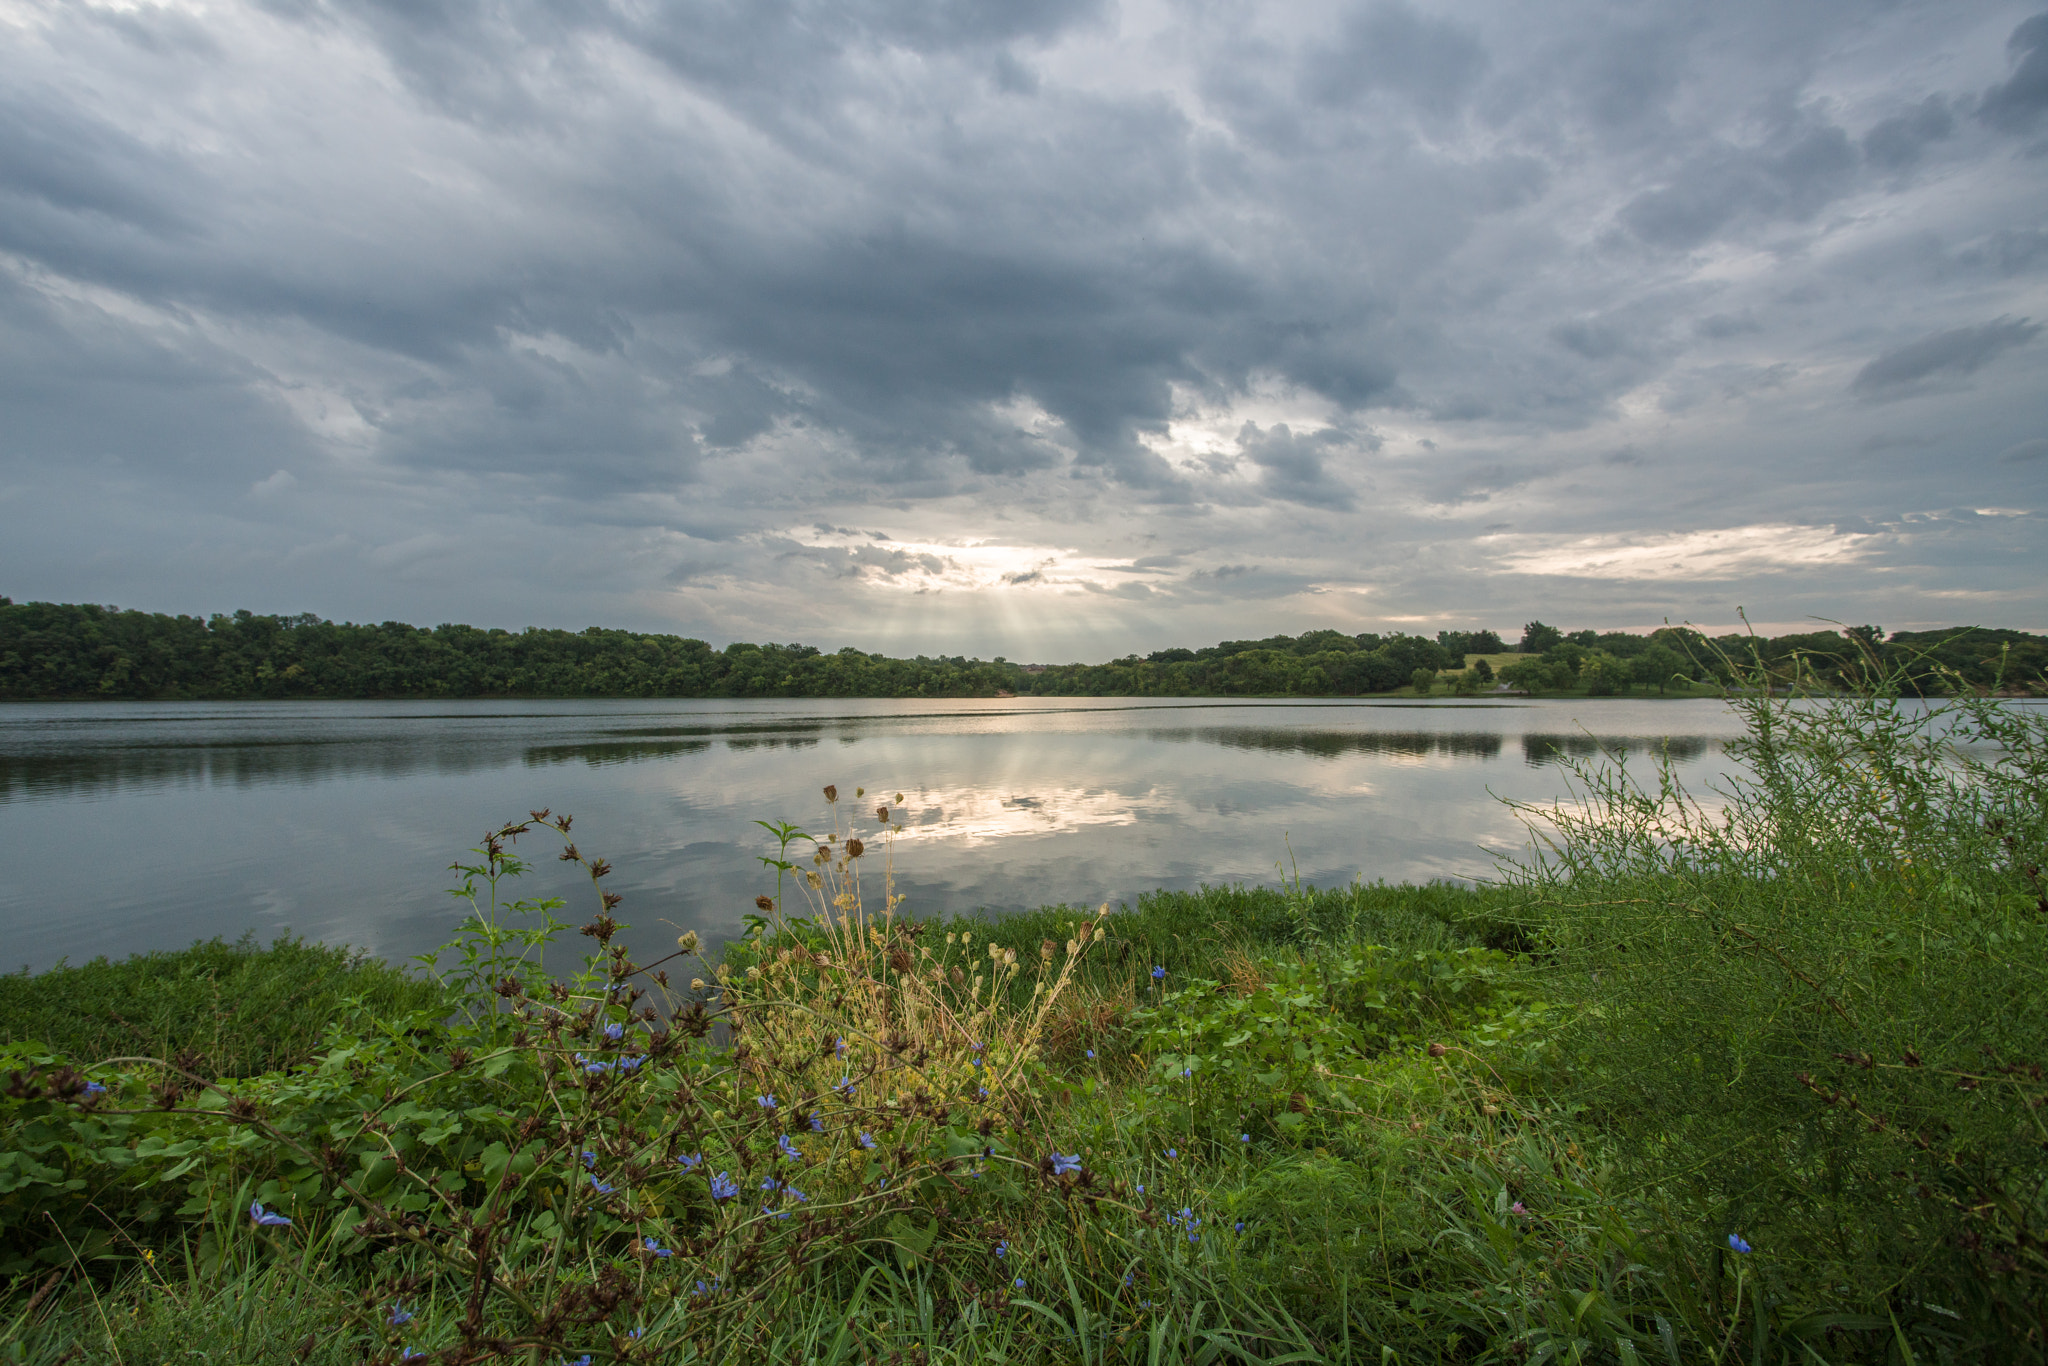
column 131, row 826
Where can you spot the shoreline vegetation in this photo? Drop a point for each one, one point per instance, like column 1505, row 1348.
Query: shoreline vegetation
column 69, row 651
column 1748, row 1076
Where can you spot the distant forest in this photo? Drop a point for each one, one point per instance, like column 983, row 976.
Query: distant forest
column 68, row 650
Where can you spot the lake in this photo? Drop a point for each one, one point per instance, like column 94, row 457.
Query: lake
column 132, row 826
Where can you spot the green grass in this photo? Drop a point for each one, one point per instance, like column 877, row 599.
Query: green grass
column 241, row 1008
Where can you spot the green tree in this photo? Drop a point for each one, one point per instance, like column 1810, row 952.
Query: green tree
column 1658, row 665
column 1422, row 680
column 1540, row 639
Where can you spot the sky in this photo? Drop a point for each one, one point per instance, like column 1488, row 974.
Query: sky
column 1051, row 331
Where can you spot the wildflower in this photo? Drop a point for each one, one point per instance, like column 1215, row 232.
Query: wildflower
column 600, row 1187
column 1003, row 1248
column 1518, row 1208
column 1194, row 1237
column 1187, row 1071
column 589, row 1158
column 844, row 1086
column 771, row 1185
column 782, row 1214
column 687, row 941
column 93, row 1088
column 655, row 1249
column 1019, row 1282
column 1173, row 1154
column 766, row 1102
column 702, row 1289
column 796, row 1194
column 1062, row 1164
column 1141, row 1190
column 1240, row 1227
column 1091, row 1053
column 1244, row 1138
column 1159, row 974
column 723, row 1187
column 410, row 1354
column 630, row 1064
column 691, row 1161
column 1736, row 1243
column 817, row 1122
column 583, row 1360
column 400, row 1316
column 615, row 1032
column 839, row 1048
column 787, row 1149
column 981, row 1092
column 265, row 1218
column 866, row 1140
column 594, row 1069
column 1127, row 1280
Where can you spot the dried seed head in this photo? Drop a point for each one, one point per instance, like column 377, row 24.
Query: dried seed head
column 860, row 792
column 1009, row 958
column 724, row 973
column 882, row 814
column 812, row 878
column 1437, row 1050
column 854, row 848
column 1073, row 947
column 753, row 974
column 1045, row 950
column 831, row 793
column 899, row 799
column 764, row 902
column 696, row 984
column 687, row 942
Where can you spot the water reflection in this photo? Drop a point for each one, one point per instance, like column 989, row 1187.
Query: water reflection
column 339, row 820
column 1539, row 749
column 1330, row 744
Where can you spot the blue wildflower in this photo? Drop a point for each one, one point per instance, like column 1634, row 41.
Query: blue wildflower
column 817, row 1122
column 844, row 1086
column 783, row 1214
column 615, row 1032
column 1019, row 1282
column 583, row 1360
column 600, row 1187
column 723, row 1187
column 1173, row 1153
column 691, row 1161
column 411, row 1354
column 655, row 1249
column 589, row 1158
column 1736, row 1243
column 265, row 1218
column 839, row 1047
column 1003, row 1248
column 865, row 1140
column 632, row 1063
column 1159, row 974
column 787, row 1149
column 1194, row 1237
column 400, row 1316
column 1240, row 1226
column 93, row 1088
column 981, row 1092
column 1244, row 1138
column 1091, row 1052
column 1187, row 1071
column 766, row 1102
column 796, row 1194
column 1062, row 1165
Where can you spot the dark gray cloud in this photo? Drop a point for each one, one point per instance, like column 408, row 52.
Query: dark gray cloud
column 2018, row 103
column 1958, row 351
column 766, row 320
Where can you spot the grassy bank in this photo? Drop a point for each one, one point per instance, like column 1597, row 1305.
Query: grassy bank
column 1758, row 1082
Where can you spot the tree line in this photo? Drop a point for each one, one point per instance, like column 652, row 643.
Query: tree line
column 83, row 650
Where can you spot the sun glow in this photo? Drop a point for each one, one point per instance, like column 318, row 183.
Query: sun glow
column 967, row 565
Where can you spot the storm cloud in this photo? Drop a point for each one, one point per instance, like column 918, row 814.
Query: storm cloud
column 1032, row 329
